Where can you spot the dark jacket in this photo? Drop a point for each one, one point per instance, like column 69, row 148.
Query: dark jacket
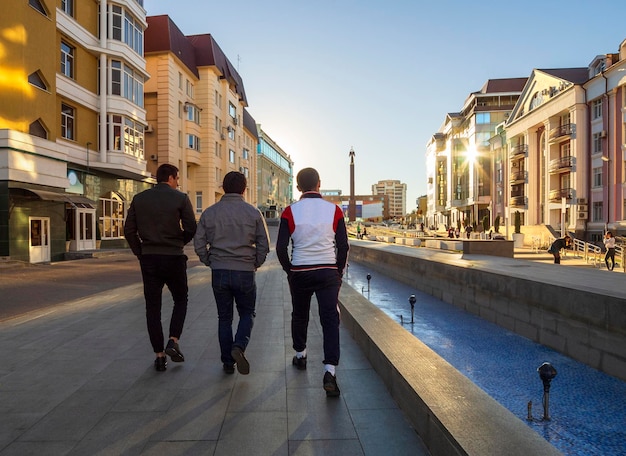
column 159, row 221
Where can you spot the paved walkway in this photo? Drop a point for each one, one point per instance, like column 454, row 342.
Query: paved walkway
column 77, row 378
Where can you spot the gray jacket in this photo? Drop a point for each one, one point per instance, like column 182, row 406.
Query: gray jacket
column 232, row 234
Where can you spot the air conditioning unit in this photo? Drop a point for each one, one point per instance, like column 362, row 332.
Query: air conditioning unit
column 154, row 157
column 582, row 207
column 235, row 121
column 582, row 215
column 603, row 134
column 149, row 128
column 222, row 136
column 582, row 200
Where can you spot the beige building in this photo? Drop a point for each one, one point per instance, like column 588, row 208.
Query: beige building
column 396, row 191
column 197, row 119
column 72, row 122
column 460, row 165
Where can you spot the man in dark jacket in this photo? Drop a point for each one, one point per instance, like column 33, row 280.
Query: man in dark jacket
column 232, row 240
column 159, row 223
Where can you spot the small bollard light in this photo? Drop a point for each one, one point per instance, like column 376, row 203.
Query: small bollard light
column 369, row 277
column 546, row 372
column 347, row 269
column 412, row 302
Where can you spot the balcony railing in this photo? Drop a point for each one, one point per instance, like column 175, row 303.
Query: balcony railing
column 518, row 177
column 519, row 150
column 557, row 195
column 561, row 164
column 518, row 201
column 562, row 130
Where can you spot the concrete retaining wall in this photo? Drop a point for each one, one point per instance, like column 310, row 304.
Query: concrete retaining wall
column 451, row 414
column 585, row 325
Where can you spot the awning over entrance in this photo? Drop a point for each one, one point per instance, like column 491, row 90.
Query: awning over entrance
column 46, row 195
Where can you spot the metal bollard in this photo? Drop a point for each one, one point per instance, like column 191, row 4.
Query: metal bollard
column 412, row 302
column 546, row 372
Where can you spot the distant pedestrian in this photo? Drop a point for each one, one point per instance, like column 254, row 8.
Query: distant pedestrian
column 609, row 243
column 468, row 231
column 558, row 245
column 317, row 233
column 159, row 223
column 232, row 240
column 358, row 231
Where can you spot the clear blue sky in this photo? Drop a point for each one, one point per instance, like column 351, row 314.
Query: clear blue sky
column 380, row 76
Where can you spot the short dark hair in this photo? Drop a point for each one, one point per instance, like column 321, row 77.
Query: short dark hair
column 165, row 171
column 307, row 179
column 234, row 182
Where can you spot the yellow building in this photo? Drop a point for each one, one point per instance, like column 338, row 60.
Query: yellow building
column 196, row 114
column 72, row 124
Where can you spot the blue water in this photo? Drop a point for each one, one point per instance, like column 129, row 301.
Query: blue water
column 587, row 408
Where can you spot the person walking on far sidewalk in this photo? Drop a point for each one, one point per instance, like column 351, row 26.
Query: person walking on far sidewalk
column 232, row 239
column 557, row 245
column 609, row 243
column 159, row 223
column 319, row 253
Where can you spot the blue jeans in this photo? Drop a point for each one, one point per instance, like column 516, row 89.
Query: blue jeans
column 238, row 287
column 158, row 271
column 325, row 283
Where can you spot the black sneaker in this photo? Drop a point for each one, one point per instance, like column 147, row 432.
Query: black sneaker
column 330, row 385
column 229, row 368
column 300, row 363
column 243, row 366
column 173, row 351
column 160, row 364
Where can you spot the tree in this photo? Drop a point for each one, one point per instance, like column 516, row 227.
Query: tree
column 518, row 222
column 496, row 224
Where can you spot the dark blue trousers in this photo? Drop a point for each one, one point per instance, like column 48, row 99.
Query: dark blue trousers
column 325, row 283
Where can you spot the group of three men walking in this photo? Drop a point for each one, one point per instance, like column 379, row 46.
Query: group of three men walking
column 231, row 238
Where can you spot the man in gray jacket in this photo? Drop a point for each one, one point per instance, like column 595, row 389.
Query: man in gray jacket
column 232, row 239
column 159, row 223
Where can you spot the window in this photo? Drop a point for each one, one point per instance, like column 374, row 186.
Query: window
column 231, row 132
column 597, row 177
column 246, row 154
column 231, row 156
column 565, row 149
column 218, row 149
column 125, row 28
column 67, row 6
column 112, row 220
column 232, row 111
column 218, row 123
column 596, row 109
column 38, row 6
column 193, row 142
column 67, row 60
column 130, row 86
column 598, row 211
column 116, row 77
column 37, row 129
column 67, row 121
column 128, row 136
column 483, row 118
column 189, row 89
column 246, row 172
column 36, row 79
column 193, row 113
column 596, row 143
column 198, row 202
column 218, row 175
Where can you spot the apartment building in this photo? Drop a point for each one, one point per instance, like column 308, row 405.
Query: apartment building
column 396, row 191
column 72, row 123
column 275, row 176
column 196, row 113
column 460, row 165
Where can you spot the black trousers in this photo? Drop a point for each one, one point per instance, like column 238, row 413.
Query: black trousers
column 157, row 271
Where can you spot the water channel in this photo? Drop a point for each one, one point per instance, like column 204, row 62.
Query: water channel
column 587, row 408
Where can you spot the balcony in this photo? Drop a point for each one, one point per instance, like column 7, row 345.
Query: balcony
column 561, row 131
column 556, row 196
column 561, row 165
column 518, row 151
column 518, row 201
column 518, row 177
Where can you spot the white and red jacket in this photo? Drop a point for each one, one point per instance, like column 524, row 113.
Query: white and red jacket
column 318, row 235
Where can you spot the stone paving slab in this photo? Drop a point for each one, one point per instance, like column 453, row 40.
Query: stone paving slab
column 77, row 378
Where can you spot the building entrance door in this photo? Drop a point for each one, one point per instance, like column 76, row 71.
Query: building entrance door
column 39, row 239
column 85, row 228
